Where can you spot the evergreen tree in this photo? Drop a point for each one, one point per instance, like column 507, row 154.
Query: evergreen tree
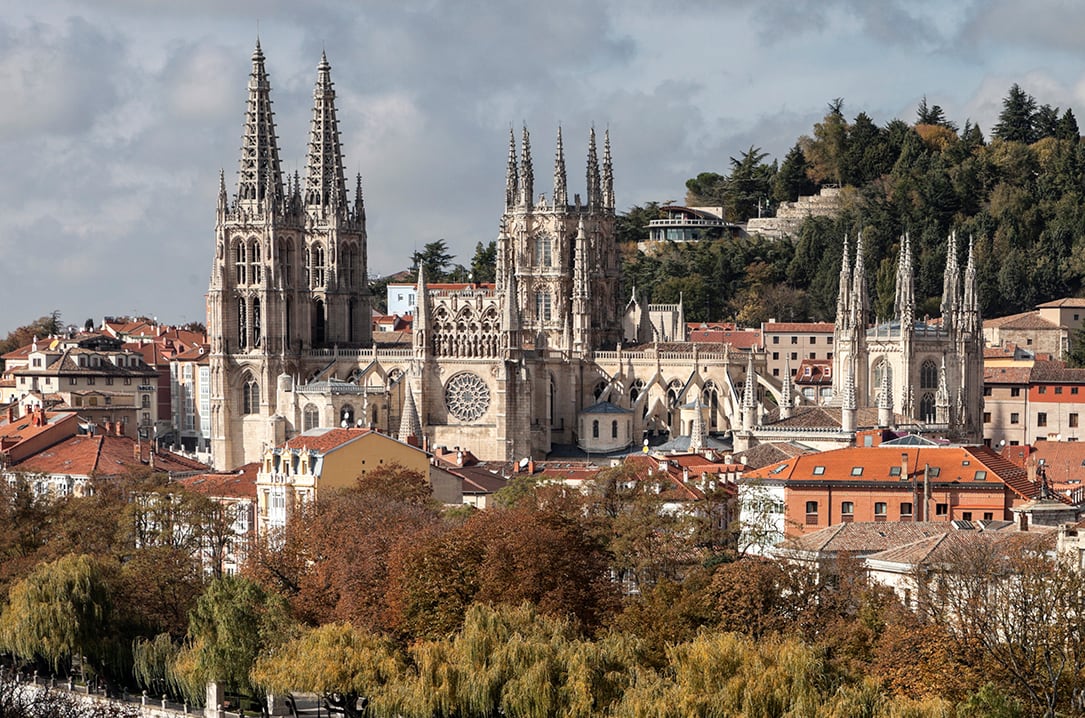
column 1015, row 122
column 1067, row 128
column 484, row 263
column 434, row 259
column 791, row 180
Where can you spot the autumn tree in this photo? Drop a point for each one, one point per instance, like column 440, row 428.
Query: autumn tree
column 64, row 609
column 42, row 327
column 343, row 664
column 231, row 623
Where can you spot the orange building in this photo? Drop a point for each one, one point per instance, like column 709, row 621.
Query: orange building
column 904, row 481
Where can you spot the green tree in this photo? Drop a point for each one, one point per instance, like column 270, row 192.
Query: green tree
column 484, row 263
column 232, row 622
column 337, row 661
column 826, row 150
column 632, row 225
column 1016, row 121
column 434, row 259
column 791, row 180
column 63, row 609
column 749, row 185
column 42, row 327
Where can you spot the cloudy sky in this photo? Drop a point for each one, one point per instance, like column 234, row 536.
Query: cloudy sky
column 116, row 115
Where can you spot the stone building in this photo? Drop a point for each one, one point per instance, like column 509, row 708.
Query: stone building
column 505, row 371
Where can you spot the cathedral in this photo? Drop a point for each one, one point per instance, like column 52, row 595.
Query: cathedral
column 549, row 354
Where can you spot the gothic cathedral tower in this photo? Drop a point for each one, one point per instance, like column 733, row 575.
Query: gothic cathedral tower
column 560, row 258
column 289, row 274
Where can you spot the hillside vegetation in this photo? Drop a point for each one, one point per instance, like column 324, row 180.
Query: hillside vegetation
column 1020, row 196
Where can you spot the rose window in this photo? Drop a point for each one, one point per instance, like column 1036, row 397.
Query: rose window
column 467, row 397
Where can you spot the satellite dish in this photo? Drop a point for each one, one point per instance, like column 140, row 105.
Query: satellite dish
column 524, row 462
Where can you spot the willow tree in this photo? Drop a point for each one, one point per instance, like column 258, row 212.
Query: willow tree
column 232, row 622
column 61, row 610
column 337, row 661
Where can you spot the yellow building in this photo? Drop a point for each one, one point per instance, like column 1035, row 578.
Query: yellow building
column 323, row 459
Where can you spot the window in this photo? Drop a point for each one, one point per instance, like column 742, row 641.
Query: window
column 881, row 508
column 794, row 356
column 127, row 381
column 987, row 391
column 794, row 340
column 776, row 371
column 847, row 507
column 941, row 509
column 1041, row 418
column 1058, row 390
column 934, row 472
column 819, row 470
column 310, row 417
column 988, row 516
column 1073, row 421
column 109, row 381
column 614, row 429
column 72, row 380
column 1015, row 418
column 776, row 356
column 928, row 375
column 595, row 429
column 250, row 396
column 813, row 355
column 986, row 417
column 1015, row 391
column 1042, row 390
column 543, row 251
column 542, row 306
column 980, row 475
column 1073, row 390
column 811, row 513
column 813, row 340
column 776, row 340
column 90, row 380
column 828, row 340
column 145, row 401
column 857, row 471
column 966, row 515
column 926, row 407
column 894, row 470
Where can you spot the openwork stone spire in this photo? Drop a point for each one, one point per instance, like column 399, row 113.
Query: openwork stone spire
column 950, row 282
column 786, row 398
column 696, row 430
column 843, row 303
column 512, row 174
column 324, row 181
column 860, row 304
column 608, row 173
column 259, row 169
column 527, row 172
column 409, row 425
column 905, row 301
column 561, row 193
column 595, row 195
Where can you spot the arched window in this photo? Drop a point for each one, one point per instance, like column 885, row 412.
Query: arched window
column 542, row 306
column 316, row 268
column 635, row 390
column 286, row 263
column 242, row 324
column 346, row 416
column 543, row 249
column 310, row 417
column 595, row 429
column 319, row 323
column 928, row 375
column 256, row 322
column 250, row 396
column 614, row 429
column 600, row 387
column 239, row 251
column 926, row 407
column 254, row 263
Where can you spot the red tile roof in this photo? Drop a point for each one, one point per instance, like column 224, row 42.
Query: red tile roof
column 799, row 328
column 1006, row 374
column 240, row 484
column 105, row 455
column 741, row 339
column 1025, row 320
column 325, row 440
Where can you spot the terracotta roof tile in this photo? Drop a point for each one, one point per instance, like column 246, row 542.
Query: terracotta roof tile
column 240, row 484
column 1006, row 374
column 325, row 439
column 1025, row 320
column 799, row 328
column 1056, row 372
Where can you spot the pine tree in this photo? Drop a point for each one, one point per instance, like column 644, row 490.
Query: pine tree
column 1015, row 122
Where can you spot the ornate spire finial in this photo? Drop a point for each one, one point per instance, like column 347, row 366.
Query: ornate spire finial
column 359, row 200
column 561, row 196
column 608, row 173
column 696, row 429
column 259, row 169
column 324, row 181
column 409, row 424
column 512, row 175
column 527, row 172
column 786, row 398
column 595, row 196
column 843, row 302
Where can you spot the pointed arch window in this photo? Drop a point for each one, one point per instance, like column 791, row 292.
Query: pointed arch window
column 310, row 417
column 614, row 429
column 346, row 416
column 254, row 263
column 543, row 306
column 349, row 266
column 928, row 375
column 242, row 324
column 256, row 334
column 316, row 272
column 595, row 429
column 250, row 396
column 239, row 254
column 286, row 263
column 926, row 407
